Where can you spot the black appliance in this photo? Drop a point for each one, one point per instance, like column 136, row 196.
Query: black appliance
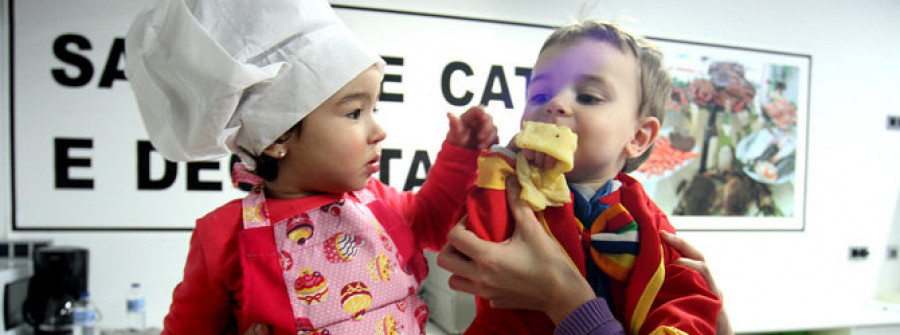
column 60, row 276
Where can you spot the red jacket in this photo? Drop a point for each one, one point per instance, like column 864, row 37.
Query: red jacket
column 656, row 296
column 211, row 298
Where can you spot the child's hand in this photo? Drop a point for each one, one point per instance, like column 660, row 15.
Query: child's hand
column 536, row 136
column 535, row 158
column 473, row 130
column 539, row 159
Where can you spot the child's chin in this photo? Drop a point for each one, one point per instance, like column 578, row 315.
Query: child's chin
column 360, row 185
column 349, row 187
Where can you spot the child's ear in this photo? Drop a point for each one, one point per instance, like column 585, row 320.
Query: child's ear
column 275, row 150
column 644, row 136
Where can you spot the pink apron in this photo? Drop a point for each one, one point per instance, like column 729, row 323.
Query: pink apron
column 351, row 266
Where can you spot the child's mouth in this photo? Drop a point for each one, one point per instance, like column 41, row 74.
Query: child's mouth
column 374, row 165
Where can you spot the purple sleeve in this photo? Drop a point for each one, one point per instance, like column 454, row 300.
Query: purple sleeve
column 593, row 318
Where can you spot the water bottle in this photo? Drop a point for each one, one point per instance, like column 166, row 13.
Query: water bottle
column 85, row 316
column 136, row 316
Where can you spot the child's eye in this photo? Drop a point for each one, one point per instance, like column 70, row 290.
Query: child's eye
column 538, row 99
column 589, row 99
column 355, row 114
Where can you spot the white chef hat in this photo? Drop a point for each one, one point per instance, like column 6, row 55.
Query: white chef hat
column 217, row 75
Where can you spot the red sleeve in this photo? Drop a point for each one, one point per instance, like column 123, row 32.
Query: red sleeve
column 488, row 214
column 684, row 302
column 434, row 208
column 201, row 303
column 486, row 206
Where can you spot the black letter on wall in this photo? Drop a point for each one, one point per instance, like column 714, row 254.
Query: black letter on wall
column 495, row 75
column 421, row 158
column 384, row 174
column 193, row 177
column 112, row 72
column 63, row 162
column 79, row 61
column 144, row 148
column 445, row 84
column 391, row 78
column 524, row 72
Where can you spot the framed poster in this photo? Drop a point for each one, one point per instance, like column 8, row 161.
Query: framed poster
column 731, row 154
column 735, row 133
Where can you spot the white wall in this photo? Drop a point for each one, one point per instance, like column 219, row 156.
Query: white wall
column 767, row 276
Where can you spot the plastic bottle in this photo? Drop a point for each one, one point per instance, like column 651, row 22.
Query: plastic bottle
column 136, row 312
column 85, row 316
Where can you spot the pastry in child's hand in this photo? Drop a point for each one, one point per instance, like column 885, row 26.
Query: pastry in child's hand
column 545, row 187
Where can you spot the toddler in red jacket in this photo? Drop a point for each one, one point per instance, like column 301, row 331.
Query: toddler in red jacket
column 610, row 89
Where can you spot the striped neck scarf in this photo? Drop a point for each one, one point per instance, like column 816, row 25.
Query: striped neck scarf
column 612, row 234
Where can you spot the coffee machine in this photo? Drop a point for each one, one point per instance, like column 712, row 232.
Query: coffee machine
column 60, row 276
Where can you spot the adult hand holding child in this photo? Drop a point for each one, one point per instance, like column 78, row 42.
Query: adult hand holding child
column 527, row 271
column 515, row 273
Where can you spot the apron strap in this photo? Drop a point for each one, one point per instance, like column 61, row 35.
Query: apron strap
column 255, row 213
column 265, row 299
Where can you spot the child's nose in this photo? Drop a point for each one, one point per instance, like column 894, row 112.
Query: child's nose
column 555, row 108
column 378, row 134
column 558, row 112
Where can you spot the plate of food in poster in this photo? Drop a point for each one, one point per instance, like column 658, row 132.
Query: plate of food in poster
column 674, row 149
column 768, row 155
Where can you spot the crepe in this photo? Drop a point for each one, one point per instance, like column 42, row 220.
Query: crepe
column 545, row 187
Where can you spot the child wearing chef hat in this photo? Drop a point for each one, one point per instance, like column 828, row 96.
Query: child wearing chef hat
column 317, row 245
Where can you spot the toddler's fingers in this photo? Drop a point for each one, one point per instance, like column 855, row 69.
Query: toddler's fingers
column 543, row 161
column 475, row 115
column 491, row 139
column 538, row 159
column 486, row 131
column 512, row 145
column 529, row 155
column 455, row 123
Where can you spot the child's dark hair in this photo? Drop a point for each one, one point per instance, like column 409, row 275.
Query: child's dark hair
column 267, row 167
column 656, row 83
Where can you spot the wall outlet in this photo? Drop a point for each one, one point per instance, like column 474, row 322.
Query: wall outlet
column 859, row 253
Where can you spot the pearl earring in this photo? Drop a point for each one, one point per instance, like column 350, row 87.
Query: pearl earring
column 281, row 153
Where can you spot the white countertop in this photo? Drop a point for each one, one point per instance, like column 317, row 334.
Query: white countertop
column 813, row 315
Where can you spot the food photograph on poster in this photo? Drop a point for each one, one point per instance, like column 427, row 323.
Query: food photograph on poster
column 730, row 153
